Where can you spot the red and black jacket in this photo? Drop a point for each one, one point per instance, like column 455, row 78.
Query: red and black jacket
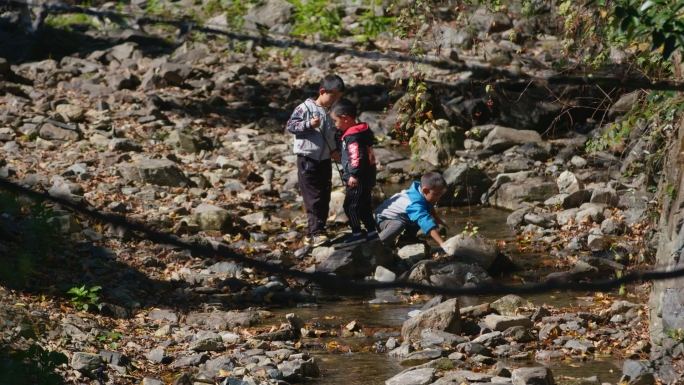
column 357, row 155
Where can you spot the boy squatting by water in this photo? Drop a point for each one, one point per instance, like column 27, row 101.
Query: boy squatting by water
column 411, row 210
column 315, row 145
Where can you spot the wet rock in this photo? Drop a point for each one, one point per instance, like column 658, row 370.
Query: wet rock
column 501, row 323
column 431, row 337
column 582, row 346
column 472, row 249
column 503, row 138
column 637, row 373
column 85, row 362
column 568, row 183
column 464, row 377
column 508, row 305
column 539, row 375
column 516, row 218
column 414, row 377
column 297, row 369
column 159, row 172
column 518, row 334
column 296, row 323
column 542, row 221
column 465, row 184
column 443, row 317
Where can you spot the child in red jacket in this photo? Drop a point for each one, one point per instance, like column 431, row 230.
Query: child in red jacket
column 358, row 163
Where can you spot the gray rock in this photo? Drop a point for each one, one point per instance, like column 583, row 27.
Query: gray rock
column 503, row 138
column 568, row 183
column 438, row 141
column 582, row 346
column 511, row 196
column 295, row 322
column 183, row 141
column 576, row 199
column 549, row 330
column 158, row 355
column 153, row 381
column 431, row 337
column 605, row 196
column 223, row 320
column 465, row 184
column 414, row 377
column 270, row 12
column 539, row 375
column 414, row 253
column 51, row 132
column 508, row 304
column 207, row 342
column 299, row 368
column 356, row 261
column 501, row 323
column 70, row 112
column 212, row 368
column 192, row 360
column 160, row 172
column 472, row 249
column 384, row 275
column 516, row 218
column 539, row 220
column 125, row 145
column 443, row 317
column 219, row 220
column 518, row 334
column 164, row 314
column 85, row 362
column 578, row 161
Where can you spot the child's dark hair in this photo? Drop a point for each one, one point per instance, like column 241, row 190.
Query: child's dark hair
column 344, row 107
column 432, row 180
column 332, row 83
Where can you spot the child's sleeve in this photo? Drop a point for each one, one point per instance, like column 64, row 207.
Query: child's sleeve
column 358, row 157
column 421, row 215
column 299, row 121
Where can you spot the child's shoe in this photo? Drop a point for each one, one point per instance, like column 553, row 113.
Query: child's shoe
column 319, row 240
column 372, row 237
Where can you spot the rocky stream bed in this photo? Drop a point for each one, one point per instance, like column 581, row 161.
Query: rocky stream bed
column 186, row 137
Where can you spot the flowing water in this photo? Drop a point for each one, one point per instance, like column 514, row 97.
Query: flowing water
column 358, row 364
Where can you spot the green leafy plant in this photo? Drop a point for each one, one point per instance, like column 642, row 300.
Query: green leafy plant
column 109, row 336
column 470, row 230
column 32, row 366
column 317, row 16
column 83, row 297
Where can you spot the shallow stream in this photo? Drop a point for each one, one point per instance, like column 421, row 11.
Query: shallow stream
column 364, row 366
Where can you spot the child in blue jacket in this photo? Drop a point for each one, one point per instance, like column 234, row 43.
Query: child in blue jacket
column 412, row 210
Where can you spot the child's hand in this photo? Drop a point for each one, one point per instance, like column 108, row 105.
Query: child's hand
column 315, row 122
column 335, row 156
column 353, row 182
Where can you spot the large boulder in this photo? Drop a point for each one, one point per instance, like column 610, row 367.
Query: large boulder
column 208, row 217
column 219, row 320
column 539, row 375
column 511, row 196
column 270, row 12
column 356, row 261
column 465, row 184
column 472, row 249
column 503, row 138
column 160, row 172
column 568, row 183
column 444, row 317
column 508, row 305
column 437, row 142
column 423, row 376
